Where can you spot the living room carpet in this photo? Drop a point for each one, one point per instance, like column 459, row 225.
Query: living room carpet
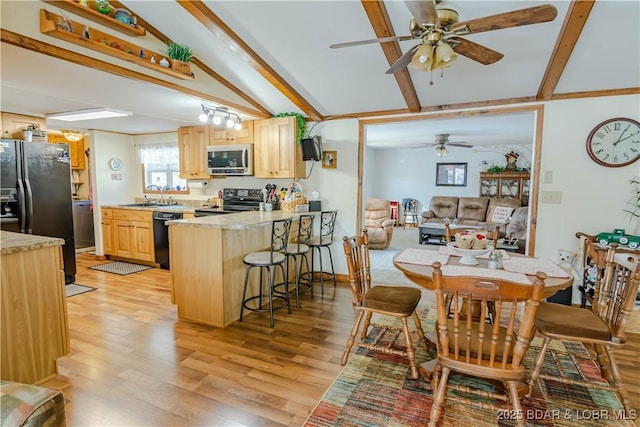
column 74, row 289
column 373, row 390
column 120, row 267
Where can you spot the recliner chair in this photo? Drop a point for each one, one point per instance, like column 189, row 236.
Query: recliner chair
column 378, row 222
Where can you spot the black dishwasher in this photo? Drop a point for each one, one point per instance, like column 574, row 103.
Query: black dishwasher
column 161, row 236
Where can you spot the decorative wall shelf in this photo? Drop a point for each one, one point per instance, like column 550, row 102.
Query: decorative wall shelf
column 90, row 12
column 105, row 43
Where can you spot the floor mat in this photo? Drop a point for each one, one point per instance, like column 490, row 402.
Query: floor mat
column 119, row 267
column 74, row 289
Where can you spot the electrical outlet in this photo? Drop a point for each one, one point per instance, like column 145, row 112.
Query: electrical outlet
column 551, row 197
column 547, row 177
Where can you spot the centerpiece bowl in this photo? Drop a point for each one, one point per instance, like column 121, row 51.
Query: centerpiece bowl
column 469, row 255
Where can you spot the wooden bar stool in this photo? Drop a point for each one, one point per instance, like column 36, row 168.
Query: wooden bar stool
column 269, row 260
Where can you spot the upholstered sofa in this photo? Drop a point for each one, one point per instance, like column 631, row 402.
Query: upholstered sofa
column 378, row 222
column 481, row 211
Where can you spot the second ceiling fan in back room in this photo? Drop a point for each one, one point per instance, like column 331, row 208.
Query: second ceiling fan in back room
column 440, row 33
column 442, row 141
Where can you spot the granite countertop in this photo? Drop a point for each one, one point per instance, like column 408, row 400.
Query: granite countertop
column 237, row 221
column 158, row 208
column 18, row 242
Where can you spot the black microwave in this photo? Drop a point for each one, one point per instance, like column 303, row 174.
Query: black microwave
column 234, row 159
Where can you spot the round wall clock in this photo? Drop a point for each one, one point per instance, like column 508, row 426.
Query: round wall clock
column 115, row 164
column 615, row 142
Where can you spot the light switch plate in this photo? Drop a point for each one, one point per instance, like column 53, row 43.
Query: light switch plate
column 551, row 197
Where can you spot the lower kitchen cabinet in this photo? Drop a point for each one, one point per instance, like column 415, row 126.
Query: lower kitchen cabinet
column 128, row 233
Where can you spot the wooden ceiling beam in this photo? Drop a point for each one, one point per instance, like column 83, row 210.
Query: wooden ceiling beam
column 214, row 24
column 38, row 46
column 572, row 27
column 198, row 63
column 379, row 18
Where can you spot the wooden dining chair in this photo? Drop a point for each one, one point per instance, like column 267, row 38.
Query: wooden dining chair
column 396, row 301
column 477, row 348
column 602, row 326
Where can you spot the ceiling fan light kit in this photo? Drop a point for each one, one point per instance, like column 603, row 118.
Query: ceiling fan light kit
column 218, row 114
column 439, row 31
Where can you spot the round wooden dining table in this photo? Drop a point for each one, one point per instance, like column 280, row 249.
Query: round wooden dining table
column 422, row 275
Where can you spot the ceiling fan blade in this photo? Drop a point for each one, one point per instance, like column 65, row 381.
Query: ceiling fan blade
column 516, row 18
column 423, row 11
column 403, row 61
column 370, row 41
column 477, row 52
column 460, row 144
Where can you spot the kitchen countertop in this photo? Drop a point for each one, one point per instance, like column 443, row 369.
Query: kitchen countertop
column 19, row 242
column 240, row 220
column 158, row 208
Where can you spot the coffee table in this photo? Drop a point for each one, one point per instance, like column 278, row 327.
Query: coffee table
column 433, row 233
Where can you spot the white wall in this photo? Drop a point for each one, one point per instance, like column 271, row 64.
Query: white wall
column 396, row 174
column 338, row 187
column 593, row 196
column 106, row 188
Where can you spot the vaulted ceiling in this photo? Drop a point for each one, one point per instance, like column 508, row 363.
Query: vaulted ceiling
column 264, row 57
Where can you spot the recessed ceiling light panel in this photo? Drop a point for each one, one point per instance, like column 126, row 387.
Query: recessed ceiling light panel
column 95, row 113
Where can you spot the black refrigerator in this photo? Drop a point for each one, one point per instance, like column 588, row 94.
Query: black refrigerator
column 35, row 193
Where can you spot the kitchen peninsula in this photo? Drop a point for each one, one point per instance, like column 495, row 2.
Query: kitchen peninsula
column 206, row 262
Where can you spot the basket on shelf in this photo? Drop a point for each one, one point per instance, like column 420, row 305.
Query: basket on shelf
column 293, row 198
column 180, row 66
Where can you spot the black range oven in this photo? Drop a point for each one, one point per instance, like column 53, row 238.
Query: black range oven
column 241, row 199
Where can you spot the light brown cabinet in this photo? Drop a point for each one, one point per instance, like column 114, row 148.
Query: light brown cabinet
column 192, row 145
column 276, row 152
column 35, row 329
column 232, row 136
column 128, row 233
column 76, row 149
column 14, row 124
column 507, row 185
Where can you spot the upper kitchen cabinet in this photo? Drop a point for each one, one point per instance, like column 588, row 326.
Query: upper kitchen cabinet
column 192, row 144
column 14, row 124
column 277, row 154
column 232, row 136
column 76, row 149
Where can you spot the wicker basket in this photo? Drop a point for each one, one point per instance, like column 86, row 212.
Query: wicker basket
column 180, row 66
column 290, row 205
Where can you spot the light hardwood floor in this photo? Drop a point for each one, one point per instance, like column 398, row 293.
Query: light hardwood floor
column 133, row 363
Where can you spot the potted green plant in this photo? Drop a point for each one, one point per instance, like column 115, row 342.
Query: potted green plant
column 179, row 57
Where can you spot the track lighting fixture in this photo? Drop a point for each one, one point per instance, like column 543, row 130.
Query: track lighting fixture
column 217, row 114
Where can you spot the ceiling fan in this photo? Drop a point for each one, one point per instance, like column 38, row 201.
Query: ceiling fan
column 442, row 141
column 439, row 33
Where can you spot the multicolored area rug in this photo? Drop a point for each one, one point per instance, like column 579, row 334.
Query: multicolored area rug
column 373, row 390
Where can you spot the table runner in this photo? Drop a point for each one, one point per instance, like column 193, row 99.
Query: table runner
column 421, row 257
column 448, row 250
column 532, row 265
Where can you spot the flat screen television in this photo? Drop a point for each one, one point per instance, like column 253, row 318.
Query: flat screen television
column 311, row 148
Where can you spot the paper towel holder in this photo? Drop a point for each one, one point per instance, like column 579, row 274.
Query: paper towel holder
column 197, row 183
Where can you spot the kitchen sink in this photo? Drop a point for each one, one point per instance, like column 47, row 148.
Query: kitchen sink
column 142, row 205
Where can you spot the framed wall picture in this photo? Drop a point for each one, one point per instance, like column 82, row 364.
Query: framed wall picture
column 329, row 159
column 451, row 174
